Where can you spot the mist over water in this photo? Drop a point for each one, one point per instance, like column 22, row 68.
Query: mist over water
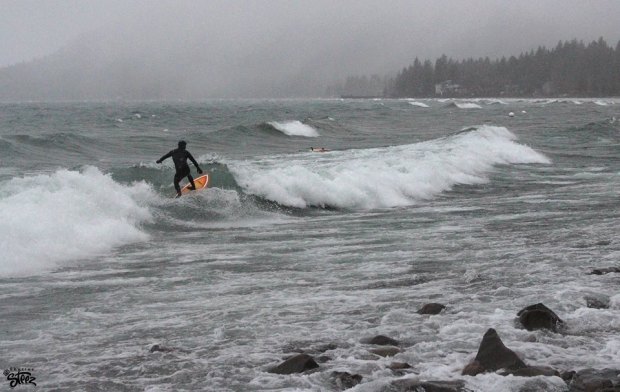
column 218, row 49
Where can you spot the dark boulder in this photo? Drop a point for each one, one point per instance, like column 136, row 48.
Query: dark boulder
column 381, row 340
column 539, row 316
column 494, row 355
column 345, row 380
column 296, row 364
column 432, row 308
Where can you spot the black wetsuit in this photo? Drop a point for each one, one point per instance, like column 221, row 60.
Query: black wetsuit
column 180, row 157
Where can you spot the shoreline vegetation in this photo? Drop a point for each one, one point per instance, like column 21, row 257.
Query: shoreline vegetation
column 571, row 68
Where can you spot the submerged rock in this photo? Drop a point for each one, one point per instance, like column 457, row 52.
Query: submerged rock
column 493, row 355
column 160, row 348
column 533, row 371
column 432, row 308
column 414, row 385
column 596, row 303
column 603, row 271
column 593, row 380
column 399, row 366
column 539, row 316
column 296, row 364
column 385, row 351
column 345, row 380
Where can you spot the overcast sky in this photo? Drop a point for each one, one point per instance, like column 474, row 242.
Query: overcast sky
column 327, row 37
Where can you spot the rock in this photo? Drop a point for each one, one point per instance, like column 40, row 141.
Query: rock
column 386, row 351
column 533, row 371
column 399, row 366
column 595, row 303
column 159, row 348
column 473, row 368
column 296, row 364
column 324, row 347
column 594, row 380
column 345, row 380
column 493, row 355
column 539, row 317
column 603, row 271
column 381, row 340
column 432, row 308
column 323, row 359
column 413, row 385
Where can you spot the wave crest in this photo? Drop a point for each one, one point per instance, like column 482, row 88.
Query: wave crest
column 49, row 220
column 383, row 177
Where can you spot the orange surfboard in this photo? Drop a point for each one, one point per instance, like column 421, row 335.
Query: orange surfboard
column 200, row 182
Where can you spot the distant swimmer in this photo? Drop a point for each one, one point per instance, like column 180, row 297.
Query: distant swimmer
column 179, row 157
column 318, row 149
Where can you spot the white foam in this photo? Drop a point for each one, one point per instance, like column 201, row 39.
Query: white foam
column 49, row 220
column 418, row 104
column 383, row 177
column 294, row 128
column 601, row 103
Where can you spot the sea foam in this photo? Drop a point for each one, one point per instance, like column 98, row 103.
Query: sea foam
column 49, row 220
column 383, row 177
column 294, row 128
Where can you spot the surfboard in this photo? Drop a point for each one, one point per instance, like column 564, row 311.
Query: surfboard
column 200, row 182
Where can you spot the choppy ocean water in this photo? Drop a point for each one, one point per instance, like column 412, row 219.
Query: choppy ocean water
column 416, row 202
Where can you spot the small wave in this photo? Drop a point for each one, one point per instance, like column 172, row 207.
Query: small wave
column 464, row 105
column 47, row 221
column 601, row 103
column 418, row 104
column 383, row 177
column 294, row 128
column 495, row 102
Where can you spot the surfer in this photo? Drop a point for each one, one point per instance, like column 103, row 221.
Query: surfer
column 179, row 157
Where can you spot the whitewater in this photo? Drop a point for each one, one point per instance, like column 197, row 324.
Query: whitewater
column 109, row 283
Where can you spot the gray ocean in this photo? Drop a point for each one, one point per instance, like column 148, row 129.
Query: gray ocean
column 486, row 206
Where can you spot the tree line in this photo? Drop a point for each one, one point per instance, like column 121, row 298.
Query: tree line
column 571, row 68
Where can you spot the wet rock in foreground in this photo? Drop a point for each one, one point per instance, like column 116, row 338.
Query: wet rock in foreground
column 493, row 355
column 296, row 364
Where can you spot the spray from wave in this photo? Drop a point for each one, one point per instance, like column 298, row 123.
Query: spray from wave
column 49, row 220
column 294, row 128
column 383, row 177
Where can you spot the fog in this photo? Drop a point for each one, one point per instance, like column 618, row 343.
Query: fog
column 271, row 47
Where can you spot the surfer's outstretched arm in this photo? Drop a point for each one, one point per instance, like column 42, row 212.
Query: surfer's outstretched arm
column 191, row 158
column 164, row 157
